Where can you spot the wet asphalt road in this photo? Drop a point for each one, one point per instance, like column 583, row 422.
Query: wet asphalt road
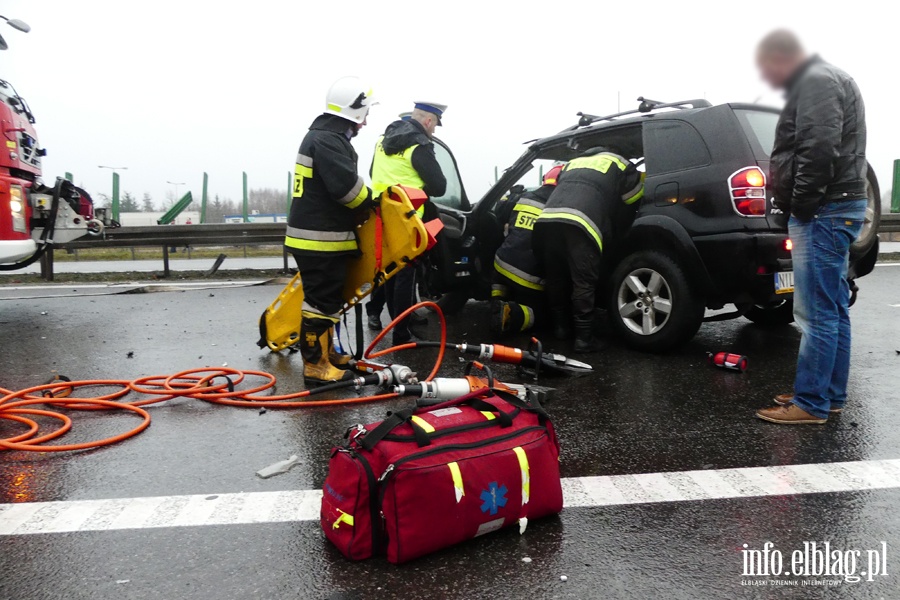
column 637, row 414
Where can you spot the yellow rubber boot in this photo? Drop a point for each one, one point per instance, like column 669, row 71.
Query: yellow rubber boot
column 314, row 347
column 339, row 360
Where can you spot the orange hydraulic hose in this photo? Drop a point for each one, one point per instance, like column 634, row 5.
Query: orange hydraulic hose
column 197, row 384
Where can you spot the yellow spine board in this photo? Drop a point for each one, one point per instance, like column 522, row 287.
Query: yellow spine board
column 403, row 238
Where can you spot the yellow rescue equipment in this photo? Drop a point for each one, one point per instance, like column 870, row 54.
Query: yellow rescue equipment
column 388, row 241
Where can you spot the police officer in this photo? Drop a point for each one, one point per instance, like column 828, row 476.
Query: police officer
column 328, row 196
column 404, row 155
column 378, row 299
column 517, row 295
column 595, row 191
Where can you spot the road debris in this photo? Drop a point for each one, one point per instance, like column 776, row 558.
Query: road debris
column 282, row 466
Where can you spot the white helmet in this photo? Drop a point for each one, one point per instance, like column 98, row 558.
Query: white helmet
column 349, row 98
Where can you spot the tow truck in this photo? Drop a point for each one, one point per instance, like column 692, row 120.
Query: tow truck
column 33, row 216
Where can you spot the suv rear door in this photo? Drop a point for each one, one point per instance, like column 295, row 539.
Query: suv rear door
column 691, row 158
column 759, row 127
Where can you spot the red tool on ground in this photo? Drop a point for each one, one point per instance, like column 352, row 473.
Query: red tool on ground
column 725, row 360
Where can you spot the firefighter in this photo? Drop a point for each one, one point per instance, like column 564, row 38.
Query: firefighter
column 328, row 197
column 517, row 295
column 595, row 191
column 404, row 155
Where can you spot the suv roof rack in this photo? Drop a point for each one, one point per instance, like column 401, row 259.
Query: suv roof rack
column 646, row 106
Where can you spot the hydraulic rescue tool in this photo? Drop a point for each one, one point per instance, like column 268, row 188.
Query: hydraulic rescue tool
column 228, row 386
column 389, row 240
column 531, row 361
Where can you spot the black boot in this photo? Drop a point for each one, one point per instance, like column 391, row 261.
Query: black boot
column 562, row 323
column 585, row 341
column 374, row 322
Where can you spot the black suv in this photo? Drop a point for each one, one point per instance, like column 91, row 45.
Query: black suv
column 706, row 234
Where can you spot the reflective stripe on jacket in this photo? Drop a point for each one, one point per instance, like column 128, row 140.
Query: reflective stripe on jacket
column 327, row 191
column 591, row 193
column 515, row 259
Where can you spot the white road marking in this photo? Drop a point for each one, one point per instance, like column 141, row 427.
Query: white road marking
column 578, row 492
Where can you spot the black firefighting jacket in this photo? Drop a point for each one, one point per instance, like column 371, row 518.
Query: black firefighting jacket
column 327, row 191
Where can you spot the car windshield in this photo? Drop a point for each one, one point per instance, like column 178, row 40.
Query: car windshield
column 15, row 100
column 760, row 128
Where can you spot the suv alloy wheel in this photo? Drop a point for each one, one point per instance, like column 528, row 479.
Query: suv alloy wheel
column 652, row 304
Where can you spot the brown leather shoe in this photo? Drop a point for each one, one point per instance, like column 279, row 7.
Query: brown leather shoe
column 782, row 399
column 789, row 414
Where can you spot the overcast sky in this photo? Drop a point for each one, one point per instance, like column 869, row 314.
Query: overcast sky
column 172, row 89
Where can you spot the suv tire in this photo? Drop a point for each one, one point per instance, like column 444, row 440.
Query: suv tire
column 777, row 315
column 652, row 305
column 869, row 233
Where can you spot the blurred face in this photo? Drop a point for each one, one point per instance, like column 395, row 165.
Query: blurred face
column 776, row 69
column 359, row 126
column 430, row 124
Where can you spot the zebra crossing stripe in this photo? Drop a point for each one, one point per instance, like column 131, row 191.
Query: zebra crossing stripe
column 578, row 492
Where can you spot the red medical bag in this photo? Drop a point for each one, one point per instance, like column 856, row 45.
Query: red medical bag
column 427, row 478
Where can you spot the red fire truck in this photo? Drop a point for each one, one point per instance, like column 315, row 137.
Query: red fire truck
column 33, row 216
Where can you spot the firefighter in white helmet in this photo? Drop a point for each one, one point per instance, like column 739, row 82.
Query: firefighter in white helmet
column 328, row 194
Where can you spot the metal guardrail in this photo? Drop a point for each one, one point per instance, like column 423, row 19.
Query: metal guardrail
column 217, row 234
column 890, row 223
column 166, row 236
column 230, row 234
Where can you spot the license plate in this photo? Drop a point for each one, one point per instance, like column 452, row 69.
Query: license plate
column 784, row 282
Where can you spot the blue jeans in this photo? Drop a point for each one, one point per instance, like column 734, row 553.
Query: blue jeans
column 821, row 303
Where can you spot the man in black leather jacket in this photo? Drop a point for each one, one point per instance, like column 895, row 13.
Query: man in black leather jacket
column 818, row 173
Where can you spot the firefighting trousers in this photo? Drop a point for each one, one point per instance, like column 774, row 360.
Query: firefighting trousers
column 573, row 264
column 323, row 278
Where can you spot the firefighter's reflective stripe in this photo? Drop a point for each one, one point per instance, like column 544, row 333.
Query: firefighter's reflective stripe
column 529, row 205
column 425, row 425
column 528, row 317
column 323, row 241
column 527, row 212
column 633, row 195
column 394, row 169
column 302, row 170
column 575, row 216
column 519, row 276
column 599, row 162
column 499, row 291
column 526, row 474
column 456, row 475
column 309, row 311
column 342, row 518
column 357, row 195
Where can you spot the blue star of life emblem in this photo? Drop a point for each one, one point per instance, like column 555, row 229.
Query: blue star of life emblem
column 493, row 498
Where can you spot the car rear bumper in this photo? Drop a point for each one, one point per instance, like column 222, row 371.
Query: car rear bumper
column 742, row 266
column 13, row 250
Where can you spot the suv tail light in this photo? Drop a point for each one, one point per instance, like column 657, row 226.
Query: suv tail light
column 748, row 192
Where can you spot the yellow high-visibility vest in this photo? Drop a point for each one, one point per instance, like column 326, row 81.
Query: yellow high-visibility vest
column 395, row 169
